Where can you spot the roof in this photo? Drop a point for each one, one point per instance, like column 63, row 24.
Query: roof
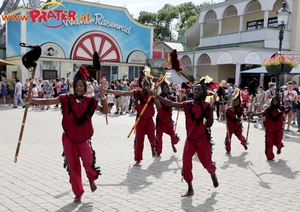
column 172, row 45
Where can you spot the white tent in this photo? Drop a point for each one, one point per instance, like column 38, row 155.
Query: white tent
column 262, row 70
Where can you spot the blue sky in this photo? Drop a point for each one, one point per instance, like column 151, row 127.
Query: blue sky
column 135, row 6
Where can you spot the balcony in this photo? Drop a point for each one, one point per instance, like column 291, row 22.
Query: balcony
column 268, row 35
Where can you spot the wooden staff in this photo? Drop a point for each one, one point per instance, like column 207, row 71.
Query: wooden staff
column 249, row 117
column 25, row 115
column 227, row 129
column 145, row 106
column 175, row 126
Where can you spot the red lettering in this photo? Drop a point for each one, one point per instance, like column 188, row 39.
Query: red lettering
column 5, row 17
column 43, row 16
column 58, row 14
column 51, row 14
column 64, row 15
column 72, row 15
column 34, row 14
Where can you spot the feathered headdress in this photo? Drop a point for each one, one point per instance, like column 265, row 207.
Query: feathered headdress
column 29, row 59
column 145, row 76
column 82, row 74
column 165, row 80
column 210, row 84
column 175, row 62
column 238, row 96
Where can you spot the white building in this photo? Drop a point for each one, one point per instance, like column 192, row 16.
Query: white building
column 237, row 35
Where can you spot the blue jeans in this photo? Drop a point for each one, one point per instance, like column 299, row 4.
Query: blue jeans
column 18, row 99
column 298, row 117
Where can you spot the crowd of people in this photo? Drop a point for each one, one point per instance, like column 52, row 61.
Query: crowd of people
column 279, row 109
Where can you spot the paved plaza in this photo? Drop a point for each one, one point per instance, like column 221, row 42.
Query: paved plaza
column 38, row 181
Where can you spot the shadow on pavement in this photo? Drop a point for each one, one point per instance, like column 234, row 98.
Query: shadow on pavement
column 186, row 203
column 240, row 161
column 136, row 178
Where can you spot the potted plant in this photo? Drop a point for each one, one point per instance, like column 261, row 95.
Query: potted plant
column 278, row 64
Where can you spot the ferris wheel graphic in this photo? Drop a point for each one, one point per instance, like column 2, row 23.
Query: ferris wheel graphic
column 87, row 44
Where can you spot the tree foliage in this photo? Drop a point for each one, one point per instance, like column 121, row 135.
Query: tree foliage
column 185, row 15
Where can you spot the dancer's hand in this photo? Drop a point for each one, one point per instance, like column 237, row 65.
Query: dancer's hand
column 28, row 99
column 212, row 101
column 153, row 93
column 102, row 92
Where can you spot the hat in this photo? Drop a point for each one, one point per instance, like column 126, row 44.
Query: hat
column 284, row 86
column 294, row 82
column 81, row 74
column 145, row 76
column 270, row 84
column 50, row 48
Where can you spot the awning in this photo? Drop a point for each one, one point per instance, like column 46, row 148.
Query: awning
column 262, row 70
column 4, row 62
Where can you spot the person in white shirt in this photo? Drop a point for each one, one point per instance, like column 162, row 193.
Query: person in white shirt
column 289, row 98
column 110, row 102
column 18, row 94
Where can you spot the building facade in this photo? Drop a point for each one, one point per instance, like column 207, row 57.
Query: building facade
column 69, row 32
column 237, row 35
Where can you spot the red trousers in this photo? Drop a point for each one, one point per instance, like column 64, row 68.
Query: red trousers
column 74, row 151
column 167, row 128
column 238, row 133
column 144, row 127
column 202, row 147
column 273, row 139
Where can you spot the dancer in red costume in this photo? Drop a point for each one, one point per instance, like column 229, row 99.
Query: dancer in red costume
column 274, row 126
column 146, row 124
column 234, row 123
column 77, row 111
column 164, row 122
column 199, row 117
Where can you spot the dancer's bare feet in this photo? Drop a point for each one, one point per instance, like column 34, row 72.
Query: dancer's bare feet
column 93, row 186
column 137, row 163
column 174, row 148
column 190, row 190
column 188, row 193
column 77, row 200
column 153, row 151
column 215, row 180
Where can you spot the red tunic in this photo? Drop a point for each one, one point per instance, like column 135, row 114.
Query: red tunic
column 77, row 117
column 141, row 98
column 234, row 118
column 195, row 115
column 164, row 113
column 274, row 119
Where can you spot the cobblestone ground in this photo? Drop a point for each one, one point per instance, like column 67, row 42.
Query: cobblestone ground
column 38, row 182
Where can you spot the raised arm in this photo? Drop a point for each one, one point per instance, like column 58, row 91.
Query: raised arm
column 167, row 102
column 40, row 101
column 120, row 93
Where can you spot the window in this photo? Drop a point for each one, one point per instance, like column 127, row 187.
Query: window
column 114, row 73
column 134, row 72
column 253, row 25
column 273, row 22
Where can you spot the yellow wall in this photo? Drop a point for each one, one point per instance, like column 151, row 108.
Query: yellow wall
column 230, row 25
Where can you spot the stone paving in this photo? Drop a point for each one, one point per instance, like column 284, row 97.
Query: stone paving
column 38, row 182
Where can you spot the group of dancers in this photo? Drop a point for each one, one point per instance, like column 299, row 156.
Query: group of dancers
column 78, row 109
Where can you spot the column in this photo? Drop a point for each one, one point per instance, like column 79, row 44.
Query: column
column 201, row 34
column 220, row 31
column 241, row 27
column 237, row 73
column 266, row 18
column 261, row 79
column 162, row 52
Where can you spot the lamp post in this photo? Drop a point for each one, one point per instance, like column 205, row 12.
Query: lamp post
column 282, row 16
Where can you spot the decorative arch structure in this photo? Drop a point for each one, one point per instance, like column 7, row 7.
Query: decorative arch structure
column 105, row 45
column 252, row 7
column 210, row 16
column 277, row 5
column 186, row 61
column 224, row 58
column 230, row 11
column 253, row 58
column 204, row 59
